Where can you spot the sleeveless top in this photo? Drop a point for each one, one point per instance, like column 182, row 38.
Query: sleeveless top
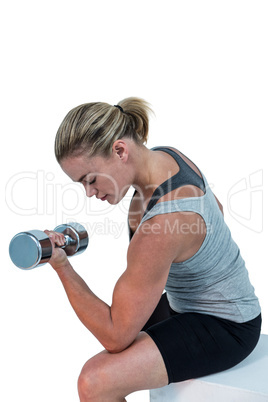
column 214, row 280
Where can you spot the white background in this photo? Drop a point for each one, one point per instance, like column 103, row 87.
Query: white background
column 203, row 67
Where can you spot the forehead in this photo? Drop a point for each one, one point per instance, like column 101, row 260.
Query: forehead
column 78, row 166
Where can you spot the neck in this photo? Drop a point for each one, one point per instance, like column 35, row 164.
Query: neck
column 145, row 167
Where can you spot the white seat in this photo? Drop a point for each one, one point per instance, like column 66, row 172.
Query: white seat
column 246, row 382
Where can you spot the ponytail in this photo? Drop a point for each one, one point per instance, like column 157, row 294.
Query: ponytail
column 138, row 111
column 94, row 127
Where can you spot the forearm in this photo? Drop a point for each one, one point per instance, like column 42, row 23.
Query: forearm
column 92, row 311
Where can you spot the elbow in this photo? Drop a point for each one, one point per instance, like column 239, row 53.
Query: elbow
column 114, row 350
column 118, row 345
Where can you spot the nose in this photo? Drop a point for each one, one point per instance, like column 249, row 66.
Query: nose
column 90, row 192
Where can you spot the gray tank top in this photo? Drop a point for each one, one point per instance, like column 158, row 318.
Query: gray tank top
column 215, row 280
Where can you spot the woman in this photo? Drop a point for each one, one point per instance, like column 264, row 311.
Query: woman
column 209, row 319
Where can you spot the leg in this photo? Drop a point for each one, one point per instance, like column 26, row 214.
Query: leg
column 111, row 377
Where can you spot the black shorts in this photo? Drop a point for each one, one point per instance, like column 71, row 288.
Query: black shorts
column 194, row 345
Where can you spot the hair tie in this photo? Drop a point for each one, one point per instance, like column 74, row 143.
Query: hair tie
column 120, row 108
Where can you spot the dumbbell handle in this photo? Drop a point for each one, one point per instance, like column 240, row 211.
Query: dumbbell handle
column 68, row 242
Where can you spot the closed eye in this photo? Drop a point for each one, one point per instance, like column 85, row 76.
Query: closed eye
column 89, row 183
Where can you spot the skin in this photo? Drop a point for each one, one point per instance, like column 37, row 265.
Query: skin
column 131, row 361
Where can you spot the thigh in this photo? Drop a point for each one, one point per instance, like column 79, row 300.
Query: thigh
column 138, row 367
column 194, row 345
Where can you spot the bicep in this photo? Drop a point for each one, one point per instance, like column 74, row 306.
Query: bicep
column 139, row 289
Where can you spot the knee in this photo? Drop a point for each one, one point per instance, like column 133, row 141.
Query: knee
column 91, row 381
column 87, row 382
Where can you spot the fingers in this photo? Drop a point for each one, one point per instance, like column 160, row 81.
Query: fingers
column 55, row 237
column 58, row 257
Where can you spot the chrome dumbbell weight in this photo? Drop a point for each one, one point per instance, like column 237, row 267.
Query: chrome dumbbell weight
column 30, row 249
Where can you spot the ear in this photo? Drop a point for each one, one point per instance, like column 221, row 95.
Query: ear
column 120, row 149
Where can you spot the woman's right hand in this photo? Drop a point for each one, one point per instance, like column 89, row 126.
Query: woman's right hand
column 59, row 257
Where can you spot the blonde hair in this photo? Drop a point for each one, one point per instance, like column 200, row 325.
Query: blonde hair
column 94, row 127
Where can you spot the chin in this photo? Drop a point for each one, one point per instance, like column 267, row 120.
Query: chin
column 114, row 200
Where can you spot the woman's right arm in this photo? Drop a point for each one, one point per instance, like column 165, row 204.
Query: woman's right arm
column 136, row 293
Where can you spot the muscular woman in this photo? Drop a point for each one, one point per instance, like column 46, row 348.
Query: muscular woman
column 184, row 306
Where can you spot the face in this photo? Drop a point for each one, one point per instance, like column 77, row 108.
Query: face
column 107, row 178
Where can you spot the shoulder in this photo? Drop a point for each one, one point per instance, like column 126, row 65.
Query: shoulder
column 161, row 239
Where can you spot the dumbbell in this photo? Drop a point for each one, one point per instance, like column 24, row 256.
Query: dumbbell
column 30, row 249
